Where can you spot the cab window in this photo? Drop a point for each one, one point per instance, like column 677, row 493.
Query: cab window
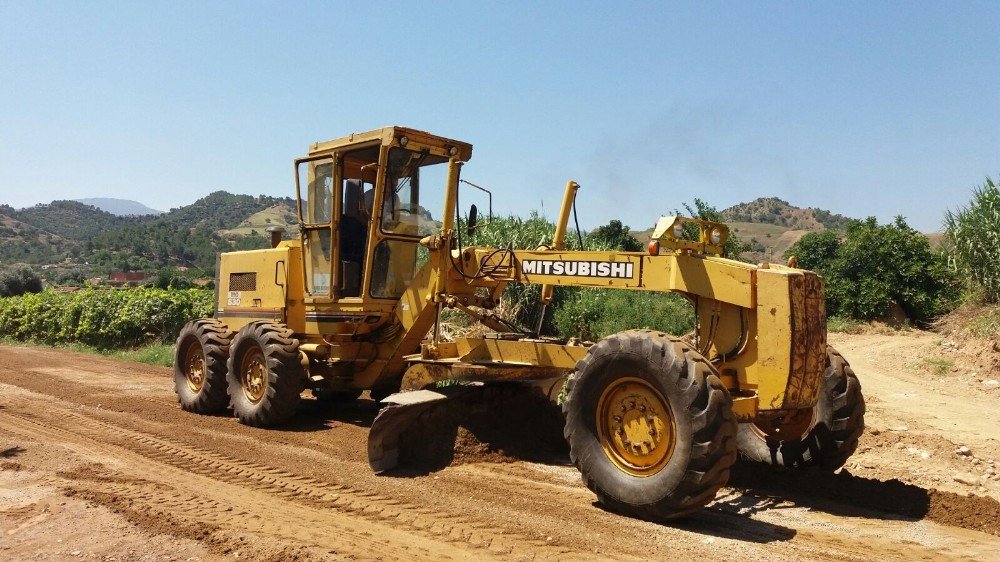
column 415, row 189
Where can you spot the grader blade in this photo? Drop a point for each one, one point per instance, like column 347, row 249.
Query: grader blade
column 400, row 414
column 400, row 411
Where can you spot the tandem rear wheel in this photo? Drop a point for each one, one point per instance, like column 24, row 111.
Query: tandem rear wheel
column 650, row 425
column 824, row 436
column 265, row 375
column 200, row 366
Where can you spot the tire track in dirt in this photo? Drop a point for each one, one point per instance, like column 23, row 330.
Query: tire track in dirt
column 159, row 506
column 302, row 489
column 528, row 500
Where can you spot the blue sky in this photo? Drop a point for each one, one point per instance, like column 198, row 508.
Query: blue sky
column 860, row 108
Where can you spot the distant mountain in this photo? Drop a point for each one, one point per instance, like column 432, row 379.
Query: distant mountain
column 120, row 207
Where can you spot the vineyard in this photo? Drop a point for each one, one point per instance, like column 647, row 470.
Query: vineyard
column 104, row 319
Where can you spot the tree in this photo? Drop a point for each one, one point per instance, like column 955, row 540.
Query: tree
column 18, row 282
column 817, row 250
column 876, row 266
column 613, row 236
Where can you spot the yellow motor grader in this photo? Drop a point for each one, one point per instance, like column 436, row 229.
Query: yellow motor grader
column 653, row 422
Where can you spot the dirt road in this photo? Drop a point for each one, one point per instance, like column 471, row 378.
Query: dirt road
column 98, row 462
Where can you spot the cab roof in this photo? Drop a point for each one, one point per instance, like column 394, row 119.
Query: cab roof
column 391, row 136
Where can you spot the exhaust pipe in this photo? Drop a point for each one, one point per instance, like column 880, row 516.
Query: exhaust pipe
column 276, row 233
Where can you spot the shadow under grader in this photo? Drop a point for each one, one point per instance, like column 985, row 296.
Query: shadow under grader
column 314, row 415
column 727, row 525
column 765, row 488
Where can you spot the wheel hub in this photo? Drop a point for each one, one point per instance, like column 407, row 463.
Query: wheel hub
column 253, row 375
column 194, row 367
column 635, row 426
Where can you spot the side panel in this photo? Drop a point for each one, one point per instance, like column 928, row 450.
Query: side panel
column 774, row 321
column 784, row 356
column 808, row 341
column 252, row 286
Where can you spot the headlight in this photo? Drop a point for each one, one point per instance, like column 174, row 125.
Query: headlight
column 403, row 141
column 716, row 236
column 678, row 230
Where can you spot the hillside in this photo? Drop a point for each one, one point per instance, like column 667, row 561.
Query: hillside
column 768, row 242
column 93, row 241
column 771, row 226
column 221, row 210
column 119, row 207
column 67, row 219
column 282, row 214
column 771, row 210
column 22, row 243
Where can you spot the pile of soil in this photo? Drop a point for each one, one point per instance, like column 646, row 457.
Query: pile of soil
column 969, row 512
column 973, row 330
column 468, row 449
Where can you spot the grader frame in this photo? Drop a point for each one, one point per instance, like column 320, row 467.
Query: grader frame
column 357, row 301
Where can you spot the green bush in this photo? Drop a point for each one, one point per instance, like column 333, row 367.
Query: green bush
column 18, row 282
column 103, row 318
column 613, row 236
column 592, row 314
column 575, row 311
column 973, row 234
column 876, row 266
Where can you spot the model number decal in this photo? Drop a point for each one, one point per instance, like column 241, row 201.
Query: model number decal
column 609, row 269
column 234, row 299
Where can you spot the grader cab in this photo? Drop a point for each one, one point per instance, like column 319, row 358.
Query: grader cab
column 653, row 421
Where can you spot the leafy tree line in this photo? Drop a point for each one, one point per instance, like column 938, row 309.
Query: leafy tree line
column 18, row 282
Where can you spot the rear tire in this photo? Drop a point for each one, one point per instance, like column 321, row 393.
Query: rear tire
column 838, row 422
column 623, row 382
column 200, row 366
column 265, row 376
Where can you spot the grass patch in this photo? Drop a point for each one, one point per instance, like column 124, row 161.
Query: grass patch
column 842, row 324
column 937, row 366
column 985, row 324
column 160, row 354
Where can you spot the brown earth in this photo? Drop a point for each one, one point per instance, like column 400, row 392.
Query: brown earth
column 98, row 462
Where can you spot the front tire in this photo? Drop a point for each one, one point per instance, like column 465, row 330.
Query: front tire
column 200, row 366
column 265, row 376
column 831, row 429
column 650, row 425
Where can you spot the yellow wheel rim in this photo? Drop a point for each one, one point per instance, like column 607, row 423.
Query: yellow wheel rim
column 790, row 427
column 194, row 367
column 253, row 374
column 636, row 426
